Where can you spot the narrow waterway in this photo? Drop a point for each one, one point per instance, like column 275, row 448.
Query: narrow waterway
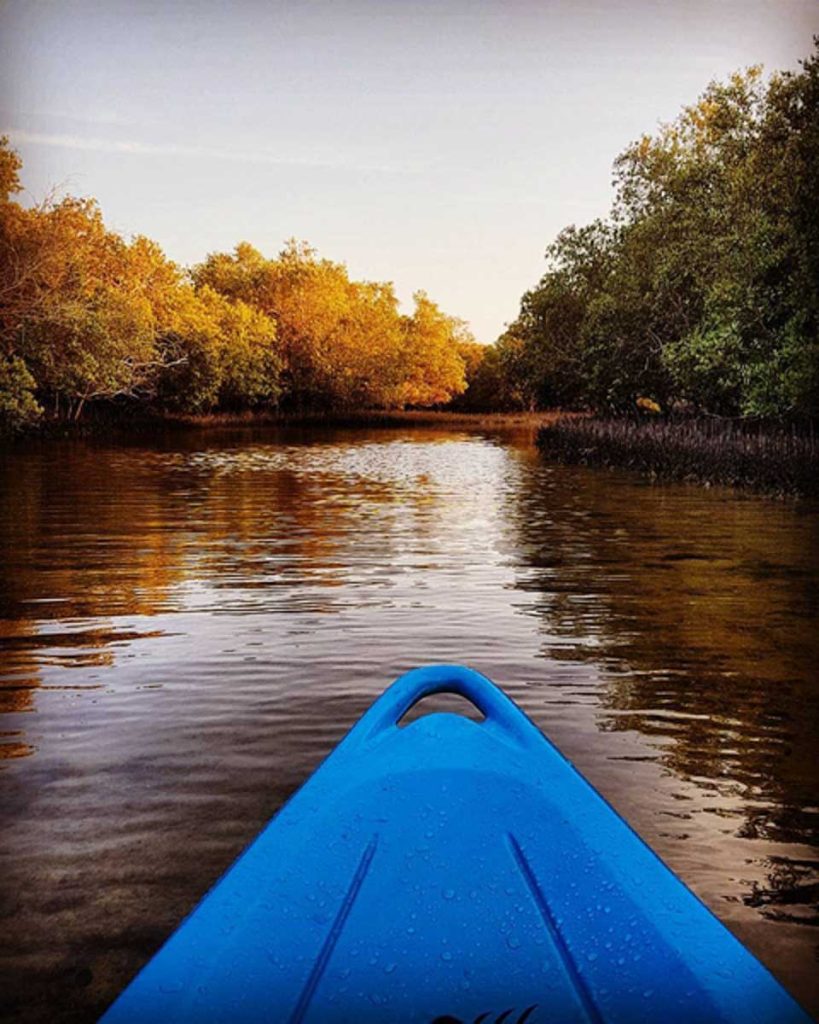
column 189, row 624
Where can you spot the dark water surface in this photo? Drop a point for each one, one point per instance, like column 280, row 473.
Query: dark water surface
column 187, row 626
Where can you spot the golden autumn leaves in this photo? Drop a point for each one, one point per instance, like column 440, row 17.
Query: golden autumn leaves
column 343, row 342
column 86, row 316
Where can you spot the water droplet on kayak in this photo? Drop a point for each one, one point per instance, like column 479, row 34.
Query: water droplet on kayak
column 513, row 942
column 446, row 955
column 449, row 894
column 389, row 968
column 591, row 957
column 648, row 993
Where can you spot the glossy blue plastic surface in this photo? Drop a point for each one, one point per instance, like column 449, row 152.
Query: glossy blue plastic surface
column 450, row 869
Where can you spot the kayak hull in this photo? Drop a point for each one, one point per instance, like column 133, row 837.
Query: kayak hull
column 451, row 870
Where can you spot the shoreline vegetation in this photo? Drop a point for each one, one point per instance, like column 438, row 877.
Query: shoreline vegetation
column 371, row 418
column 763, row 458
column 680, row 333
column 114, row 422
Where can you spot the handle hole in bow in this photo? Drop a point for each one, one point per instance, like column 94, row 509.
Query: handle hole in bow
column 453, row 703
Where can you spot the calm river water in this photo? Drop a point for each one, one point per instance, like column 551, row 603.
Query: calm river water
column 188, row 625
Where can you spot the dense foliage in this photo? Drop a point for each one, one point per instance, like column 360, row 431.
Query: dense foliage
column 702, row 287
column 88, row 317
column 344, row 343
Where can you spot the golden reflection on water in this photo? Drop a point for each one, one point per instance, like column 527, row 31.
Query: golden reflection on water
column 188, row 625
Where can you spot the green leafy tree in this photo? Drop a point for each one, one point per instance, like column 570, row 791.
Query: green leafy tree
column 78, row 318
column 18, row 406
column 486, row 382
column 703, row 285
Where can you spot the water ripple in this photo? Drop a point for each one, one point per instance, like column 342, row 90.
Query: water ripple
column 188, row 626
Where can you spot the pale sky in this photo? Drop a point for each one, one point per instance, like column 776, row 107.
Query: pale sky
column 439, row 145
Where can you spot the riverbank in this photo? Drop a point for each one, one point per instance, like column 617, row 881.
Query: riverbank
column 770, row 460
column 366, row 418
column 124, row 421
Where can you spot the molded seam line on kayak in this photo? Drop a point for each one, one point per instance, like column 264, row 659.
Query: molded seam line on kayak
column 335, row 932
column 580, row 986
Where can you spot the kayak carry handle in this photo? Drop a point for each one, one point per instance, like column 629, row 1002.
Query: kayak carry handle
column 498, row 709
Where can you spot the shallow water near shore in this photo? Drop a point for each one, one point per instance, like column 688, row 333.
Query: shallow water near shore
column 189, row 623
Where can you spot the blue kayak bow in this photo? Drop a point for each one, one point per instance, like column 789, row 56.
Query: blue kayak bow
column 449, row 870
